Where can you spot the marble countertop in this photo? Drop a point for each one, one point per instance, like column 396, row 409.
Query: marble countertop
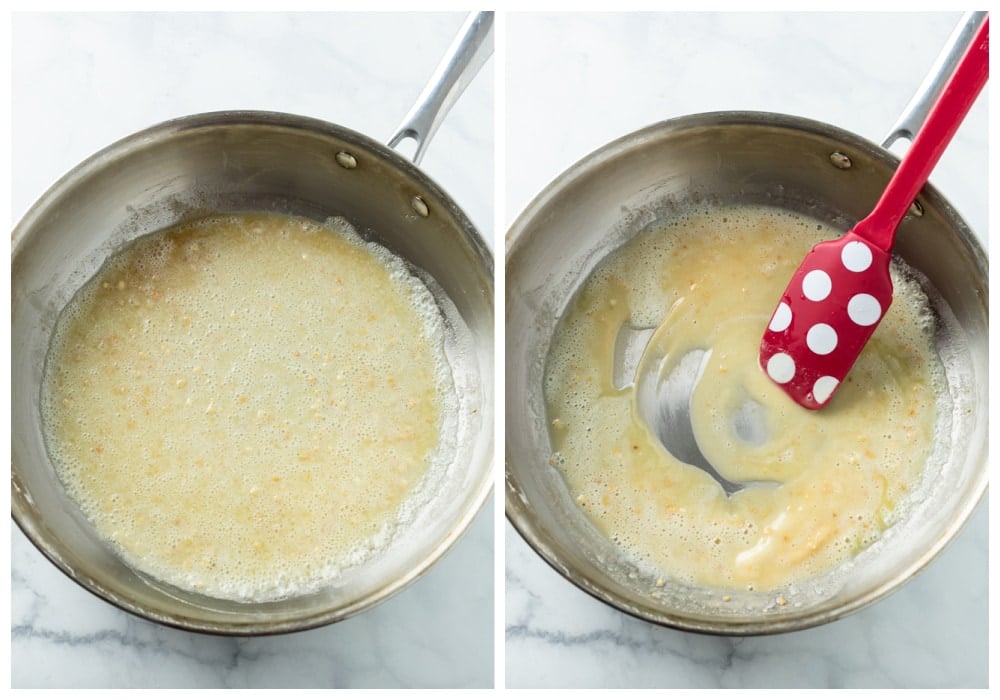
column 80, row 82
column 576, row 82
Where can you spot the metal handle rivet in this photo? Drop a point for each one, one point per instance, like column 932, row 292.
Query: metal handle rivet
column 346, row 160
column 419, row 205
column 840, row 160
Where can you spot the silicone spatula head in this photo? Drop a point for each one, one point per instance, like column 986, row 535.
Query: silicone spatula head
column 842, row 290
column 825, row 317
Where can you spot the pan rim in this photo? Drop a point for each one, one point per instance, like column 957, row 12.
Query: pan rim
column 715, row 119
column 245, row 118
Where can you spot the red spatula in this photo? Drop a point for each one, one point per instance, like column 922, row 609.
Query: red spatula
column 842, row 289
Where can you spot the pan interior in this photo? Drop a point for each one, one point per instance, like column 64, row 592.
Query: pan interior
column 240, row 162
column 702, row 164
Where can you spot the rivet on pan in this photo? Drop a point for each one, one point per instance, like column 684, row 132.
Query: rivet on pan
column 419, row 205
column 346, row 160
column 840, row 160
column 917, row 209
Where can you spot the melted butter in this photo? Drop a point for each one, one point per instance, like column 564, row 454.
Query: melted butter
column 247, row 405
column 819, row 486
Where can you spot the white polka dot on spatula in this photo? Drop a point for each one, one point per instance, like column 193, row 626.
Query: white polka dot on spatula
column 781, row 367
column 823, row 388
column 856, row 256
column 822, row 339
column 864, row 309
column 782, row 318
column 816, row 285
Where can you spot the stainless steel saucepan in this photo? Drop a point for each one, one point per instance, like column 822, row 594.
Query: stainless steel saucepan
column 721, row 159
column 257, row 161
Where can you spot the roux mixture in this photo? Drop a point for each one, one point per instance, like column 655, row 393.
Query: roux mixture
column 246, row 405
column 819, row 486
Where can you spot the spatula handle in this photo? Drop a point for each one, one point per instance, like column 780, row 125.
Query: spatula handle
column 915, row 113
column 942, row 122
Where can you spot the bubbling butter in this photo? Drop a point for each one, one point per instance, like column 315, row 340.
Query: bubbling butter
column 819, row 486
column 247, row 405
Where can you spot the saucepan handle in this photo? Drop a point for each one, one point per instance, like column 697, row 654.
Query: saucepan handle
column 915, row 113
column 471, row 49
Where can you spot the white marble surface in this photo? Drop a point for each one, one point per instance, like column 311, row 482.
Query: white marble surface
column 575, row 82
column 80, row 82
